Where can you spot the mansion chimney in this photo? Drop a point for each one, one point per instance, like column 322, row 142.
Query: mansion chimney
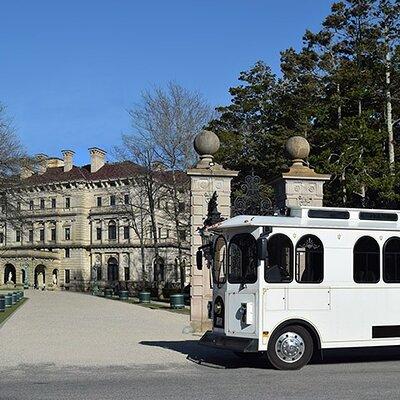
column 68, row 156
column 42, row 163
column 97, row 158
column 27, row 168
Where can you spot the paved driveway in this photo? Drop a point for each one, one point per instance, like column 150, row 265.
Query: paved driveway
column 73, row 329
column 73, row 346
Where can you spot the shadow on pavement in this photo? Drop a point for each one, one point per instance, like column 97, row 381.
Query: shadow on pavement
column 216, row 358
column 219, row 358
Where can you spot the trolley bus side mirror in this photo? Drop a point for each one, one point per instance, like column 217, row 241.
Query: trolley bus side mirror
column 199, row 260
column 262, row 248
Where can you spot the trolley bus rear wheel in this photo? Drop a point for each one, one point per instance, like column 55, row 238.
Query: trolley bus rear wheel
column 290, row 347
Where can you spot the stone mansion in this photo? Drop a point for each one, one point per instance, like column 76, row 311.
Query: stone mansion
column 75, row 223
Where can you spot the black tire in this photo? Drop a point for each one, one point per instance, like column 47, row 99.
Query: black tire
column 290, row 347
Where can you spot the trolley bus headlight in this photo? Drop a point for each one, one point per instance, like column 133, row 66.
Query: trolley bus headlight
column 219, row 312
column 218, row 308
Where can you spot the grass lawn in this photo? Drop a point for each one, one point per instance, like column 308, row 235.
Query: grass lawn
column 4, row 315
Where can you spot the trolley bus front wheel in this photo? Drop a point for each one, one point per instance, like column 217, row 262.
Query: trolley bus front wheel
column 290, row 347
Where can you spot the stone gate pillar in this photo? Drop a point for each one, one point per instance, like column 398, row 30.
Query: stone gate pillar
column 206, row 178
column 301, row 185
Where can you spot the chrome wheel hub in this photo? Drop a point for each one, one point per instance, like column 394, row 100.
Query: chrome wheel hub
column 289, row 347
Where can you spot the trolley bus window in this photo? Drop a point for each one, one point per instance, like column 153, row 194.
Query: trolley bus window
column 219, row 266
column 391, row 260
column 309, row 260
column 242, row 259
column 280, row 259
column 366, row 260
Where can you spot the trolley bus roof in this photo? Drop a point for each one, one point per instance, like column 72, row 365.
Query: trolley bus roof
column 321, row 217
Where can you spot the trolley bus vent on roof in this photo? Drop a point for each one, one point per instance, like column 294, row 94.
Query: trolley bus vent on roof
column 362, row 215
column 332, row 214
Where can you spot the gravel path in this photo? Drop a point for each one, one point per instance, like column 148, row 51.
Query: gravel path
column 73, row 329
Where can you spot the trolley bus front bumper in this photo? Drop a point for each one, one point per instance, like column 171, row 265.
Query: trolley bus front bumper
column 241, row 345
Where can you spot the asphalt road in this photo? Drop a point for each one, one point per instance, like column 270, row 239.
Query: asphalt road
column 70, row 346
column 358, row 375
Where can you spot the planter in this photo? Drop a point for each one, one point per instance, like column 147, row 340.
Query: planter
column 16, row 294
column 2, row 304
column 123, row 295
column 21, row 294
column 144, row 297
column 177, row 301
column 109, row 293
column 13, row 298
column 8, row 300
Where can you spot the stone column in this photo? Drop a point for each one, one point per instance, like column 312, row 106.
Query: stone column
column 300, row 186
column 206, row 178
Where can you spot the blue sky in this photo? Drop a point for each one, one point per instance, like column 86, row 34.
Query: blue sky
column 70, row 69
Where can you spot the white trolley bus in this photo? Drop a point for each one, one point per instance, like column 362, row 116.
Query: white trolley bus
column 318, row 278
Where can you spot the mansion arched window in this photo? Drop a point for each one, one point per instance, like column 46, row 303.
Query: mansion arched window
column 309, row 260
column 112, row 230
column 366, row 263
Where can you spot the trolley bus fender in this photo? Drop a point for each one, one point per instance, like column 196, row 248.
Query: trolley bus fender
column 307, row 325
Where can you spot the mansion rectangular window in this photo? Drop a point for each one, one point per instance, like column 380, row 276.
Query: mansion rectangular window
column 18, row 235
column 99, row 200
column 67, row 253
column 42, row 204
column 67, row 235
column 159, row 233
column 1, row 237
column 41, row 235
column 67, row 276
column 68, row 202
column 112, row 200
column 30, row 235
column 126, row 199
column 53, row 203
column 98, row 233
column 31, row 205
column 53, row 234
column 127, row 274
column 126, row 232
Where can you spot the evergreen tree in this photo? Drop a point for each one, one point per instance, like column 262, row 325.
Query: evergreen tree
column 340, row 91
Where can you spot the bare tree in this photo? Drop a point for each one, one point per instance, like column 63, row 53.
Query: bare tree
column 164, row 123
column 141, row 151
column 13, row 164
column 138, row 218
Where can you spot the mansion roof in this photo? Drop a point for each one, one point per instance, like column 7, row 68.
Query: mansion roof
column 121, row 170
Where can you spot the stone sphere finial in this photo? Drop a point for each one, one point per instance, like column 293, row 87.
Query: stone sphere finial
column 206, row 144
column 298, row 149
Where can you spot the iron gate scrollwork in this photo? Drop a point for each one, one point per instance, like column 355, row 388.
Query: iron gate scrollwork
column 252, row 201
